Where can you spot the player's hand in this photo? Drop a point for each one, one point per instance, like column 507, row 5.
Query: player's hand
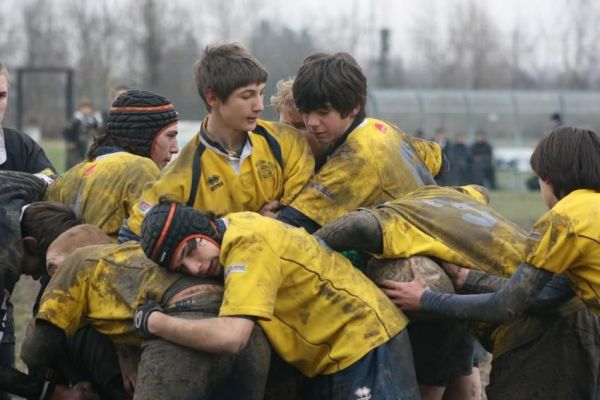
column 458, row 275
column 270, row 209
column 406, row 295
column 140, row 318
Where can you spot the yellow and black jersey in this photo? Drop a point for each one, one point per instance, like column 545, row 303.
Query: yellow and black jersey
column 275, row 165
column 377, row 162
column 450, row 224
column 103, row 285
column 567, row 240
column 319, row 313
column 102, row 192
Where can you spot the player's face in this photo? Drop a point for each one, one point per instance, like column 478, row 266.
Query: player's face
column 164, row 146
column 3, row 95
column 197, row 257
column 327, row 125
column 294, row 118
column 241, row 110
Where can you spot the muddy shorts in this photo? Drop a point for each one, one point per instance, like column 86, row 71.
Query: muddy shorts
column 386, row 372
column 442, row 350
column 563, row 363
column 169, row 371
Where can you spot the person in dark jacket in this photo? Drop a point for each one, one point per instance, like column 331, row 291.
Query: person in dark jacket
column 18, row 152
column 83, row 127
column 484, row 172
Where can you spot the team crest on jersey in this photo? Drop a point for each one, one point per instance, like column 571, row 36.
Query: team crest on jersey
column 363, row 393
column 214, row 182
column 266, row 169
column 235, row 268
column 381, row 127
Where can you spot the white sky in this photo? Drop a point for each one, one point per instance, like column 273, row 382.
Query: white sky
column 399, row 15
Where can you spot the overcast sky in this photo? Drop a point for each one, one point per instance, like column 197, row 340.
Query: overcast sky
column 400, row 15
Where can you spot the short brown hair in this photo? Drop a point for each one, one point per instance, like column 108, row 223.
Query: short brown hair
column 569, row 158
column 225, row 68
column 334, row 80
column 45, row 221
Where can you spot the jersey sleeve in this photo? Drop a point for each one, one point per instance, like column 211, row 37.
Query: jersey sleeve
column 429, row 152
column 65, row 299
column 252, row 277
column 346, row 182
column 299, row 166
column 145, row 173
column 174, row 183
column 552, row 243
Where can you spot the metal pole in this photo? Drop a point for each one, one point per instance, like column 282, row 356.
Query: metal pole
column 20, row 99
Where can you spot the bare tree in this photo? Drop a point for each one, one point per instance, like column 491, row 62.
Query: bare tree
column 95, row 33
column 476, row 56
column 580, row 43
column 428, row 54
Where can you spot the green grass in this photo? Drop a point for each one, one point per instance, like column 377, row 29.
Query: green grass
column 523, row 208
column 55, row 150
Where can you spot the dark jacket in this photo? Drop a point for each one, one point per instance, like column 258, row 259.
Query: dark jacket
column 23, row 153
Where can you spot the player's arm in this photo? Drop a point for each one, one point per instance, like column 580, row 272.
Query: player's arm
column 299, row 166
column 221, row 335
column 511, row 301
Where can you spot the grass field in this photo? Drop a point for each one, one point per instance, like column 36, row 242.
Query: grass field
column 519, row 206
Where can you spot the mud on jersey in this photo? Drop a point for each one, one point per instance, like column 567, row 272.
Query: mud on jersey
column 102, row 192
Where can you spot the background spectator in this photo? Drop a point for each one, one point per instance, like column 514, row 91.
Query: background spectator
column 82, row 128
column 484, row 172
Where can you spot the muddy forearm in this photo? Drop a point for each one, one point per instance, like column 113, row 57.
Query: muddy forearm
column 358, row 230
column 483, row 282
column 556, row 292
column 505, row 304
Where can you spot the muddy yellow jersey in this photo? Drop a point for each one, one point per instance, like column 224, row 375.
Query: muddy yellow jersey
column 103, row 191
column 567, row 240
column 449, row 224
column 319, row 313
column 103, row 285
column 376, row 163
column 275, row 165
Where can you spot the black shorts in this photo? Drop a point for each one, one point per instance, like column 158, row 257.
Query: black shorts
column 442, row 350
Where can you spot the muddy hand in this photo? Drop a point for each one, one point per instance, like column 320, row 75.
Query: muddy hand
column 406, row 295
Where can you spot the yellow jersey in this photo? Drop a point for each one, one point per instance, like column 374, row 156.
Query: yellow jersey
column 102, row 192
column 103, row 285
column 449, row 224
column 377, row 162
column 275, row 165
column 319, row 313
column 567, row 240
